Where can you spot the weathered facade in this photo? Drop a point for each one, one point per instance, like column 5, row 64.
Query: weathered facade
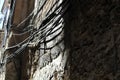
column 95, row 37
column 78, row 41
column 46, row 55
column 51, row 63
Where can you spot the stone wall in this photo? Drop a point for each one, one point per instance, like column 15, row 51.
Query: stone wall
column 50, row 58
column 43, row 61
column 95, row 38
column 86, row 47
column 2, row 73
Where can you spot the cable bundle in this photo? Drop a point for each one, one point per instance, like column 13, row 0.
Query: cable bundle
column 48, row 26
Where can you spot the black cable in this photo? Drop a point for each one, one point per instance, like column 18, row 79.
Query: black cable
column 48, row 18
column 43, row 26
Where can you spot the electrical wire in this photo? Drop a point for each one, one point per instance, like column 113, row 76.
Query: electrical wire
column 41, row 27
column 46, row 28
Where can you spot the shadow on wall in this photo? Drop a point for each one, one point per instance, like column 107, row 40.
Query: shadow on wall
column 91, row 33
column 94, row 31
column 50, row 46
